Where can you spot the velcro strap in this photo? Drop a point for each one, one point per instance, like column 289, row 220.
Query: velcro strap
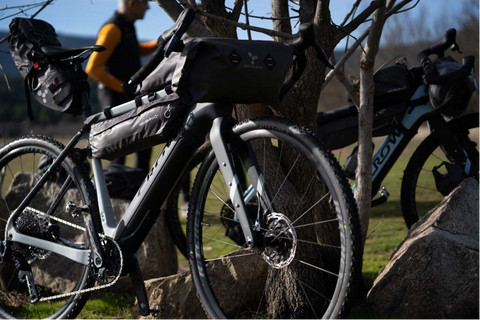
column 29, row 102
column 107, row 112
column 69, row 89
column 138, row 101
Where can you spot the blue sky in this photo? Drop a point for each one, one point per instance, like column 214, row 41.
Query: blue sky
column 84, row 17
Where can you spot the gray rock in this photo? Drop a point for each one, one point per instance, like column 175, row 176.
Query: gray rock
column 176, row 296
column 434, row 272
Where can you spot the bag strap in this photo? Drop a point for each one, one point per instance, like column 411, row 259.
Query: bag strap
column 138, row 101
column 70, row 89
column 61, row 79
column 107, row 112
column 29, row 99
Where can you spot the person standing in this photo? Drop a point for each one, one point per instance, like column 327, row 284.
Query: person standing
column 121, row 60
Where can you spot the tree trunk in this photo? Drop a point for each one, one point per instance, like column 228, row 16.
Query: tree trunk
column 280, row 10
column 363, row 190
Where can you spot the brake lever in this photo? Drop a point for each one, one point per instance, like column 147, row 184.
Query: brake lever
column 307, row 33
column 321, row 55
column 456, row 47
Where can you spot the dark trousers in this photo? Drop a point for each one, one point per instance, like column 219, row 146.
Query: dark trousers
column 108, row 97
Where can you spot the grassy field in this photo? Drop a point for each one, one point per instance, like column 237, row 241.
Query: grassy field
column 386, row 231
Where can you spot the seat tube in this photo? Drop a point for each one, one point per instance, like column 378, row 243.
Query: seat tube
column 230, row 177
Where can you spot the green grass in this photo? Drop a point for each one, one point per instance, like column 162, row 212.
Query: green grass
column 108, row 306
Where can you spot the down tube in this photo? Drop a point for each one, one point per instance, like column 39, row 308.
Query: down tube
column 395, row 143
column 144, row 209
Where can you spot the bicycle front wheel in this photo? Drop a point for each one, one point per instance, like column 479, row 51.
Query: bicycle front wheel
column 430, row 175
column 22, row 163
column 309, row 262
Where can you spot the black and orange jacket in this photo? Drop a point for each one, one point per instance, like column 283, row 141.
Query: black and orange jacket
column 121, row 59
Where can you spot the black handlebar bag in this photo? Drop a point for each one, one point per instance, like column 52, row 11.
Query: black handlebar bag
column 224, row 70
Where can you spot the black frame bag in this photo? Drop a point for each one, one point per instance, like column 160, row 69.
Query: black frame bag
column 146, row 126
column 55, row 84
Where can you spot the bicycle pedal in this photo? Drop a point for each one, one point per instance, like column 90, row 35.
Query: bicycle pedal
column 157, row 310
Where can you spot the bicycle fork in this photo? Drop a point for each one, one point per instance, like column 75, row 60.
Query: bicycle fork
column 218, row 134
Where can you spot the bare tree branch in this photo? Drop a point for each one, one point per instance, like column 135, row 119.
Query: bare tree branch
column 349, row 14
column 352, row 25
column 247, row 21
column 363, row 191
column 173, row 9
column 266, row 18
column 40, row 10
column 243, row 26
column 345, row 57
column 359, row 40
column 237, row 10
column 390, row 4
column 396, row 8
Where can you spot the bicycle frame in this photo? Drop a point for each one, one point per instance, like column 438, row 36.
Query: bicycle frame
column 144, row 209
column 395, row 143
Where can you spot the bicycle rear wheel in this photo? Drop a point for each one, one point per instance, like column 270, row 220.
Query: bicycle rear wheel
column 52, row 273
column 309, row 264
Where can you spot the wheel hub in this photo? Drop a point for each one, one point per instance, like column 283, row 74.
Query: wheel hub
column 280, row 241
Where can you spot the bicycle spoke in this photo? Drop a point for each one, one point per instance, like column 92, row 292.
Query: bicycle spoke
column 220, row 217
column 220, row 188
column 314, row 243
column 248, row 286
column 300, row 203
column 313, row 206
column 323, row 296
column 439, row 158
column 306, row 296
column 230, row 257
column 315, row 223
column 224, row 242
column 218, row 197
column 315, row 267
column 235, row 283
column 286, row 177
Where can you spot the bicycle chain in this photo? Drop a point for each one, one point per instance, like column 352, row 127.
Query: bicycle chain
column 72, row 225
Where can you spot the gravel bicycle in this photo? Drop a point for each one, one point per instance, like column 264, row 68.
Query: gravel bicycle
column 299, row 254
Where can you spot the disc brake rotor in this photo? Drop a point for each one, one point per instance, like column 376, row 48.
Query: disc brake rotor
column 280, row 241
